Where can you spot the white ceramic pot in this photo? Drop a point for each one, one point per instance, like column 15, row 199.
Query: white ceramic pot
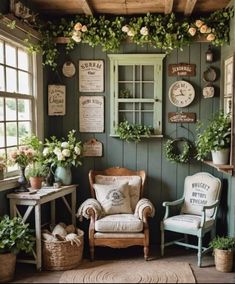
column 220, row 157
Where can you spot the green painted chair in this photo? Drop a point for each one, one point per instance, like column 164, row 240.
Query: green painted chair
column 198, row 211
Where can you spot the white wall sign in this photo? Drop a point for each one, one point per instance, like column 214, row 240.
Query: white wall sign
column 92, row 148
column 91, row 114
column 56, row 99
column 91, row 76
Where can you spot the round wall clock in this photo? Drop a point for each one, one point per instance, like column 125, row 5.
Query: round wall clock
column 208, row 92
column 181, row 93
column 68, row 69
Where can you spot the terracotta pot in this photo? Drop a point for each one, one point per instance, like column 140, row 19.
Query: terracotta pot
column 7, row 267
column 36, row 182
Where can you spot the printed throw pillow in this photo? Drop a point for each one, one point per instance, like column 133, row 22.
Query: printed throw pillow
column 134, row 183
column 114, row 199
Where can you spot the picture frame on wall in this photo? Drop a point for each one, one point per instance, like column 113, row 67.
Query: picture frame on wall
column 91, row 114
column 56, row 100
column 228, row 106
column 91, row 76
column 228, row 76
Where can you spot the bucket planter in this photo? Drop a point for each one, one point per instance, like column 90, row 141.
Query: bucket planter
column 223, row 260
column 220, row 157
column 7, row 267
column 223, row 250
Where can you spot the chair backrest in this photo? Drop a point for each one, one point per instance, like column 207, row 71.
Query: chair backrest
column 199, row 190
column 115, row 175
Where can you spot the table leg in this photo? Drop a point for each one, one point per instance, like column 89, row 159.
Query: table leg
column 73, row 207
column 12, row 208
column 53, row 213
column 38, row 236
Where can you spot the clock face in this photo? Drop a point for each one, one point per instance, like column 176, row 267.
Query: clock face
column 208, row 92
column 181, row 93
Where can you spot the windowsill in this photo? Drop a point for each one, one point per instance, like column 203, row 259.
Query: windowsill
column 143, row 136
column 8, row 183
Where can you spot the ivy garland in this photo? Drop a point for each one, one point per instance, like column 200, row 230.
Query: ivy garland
column 160, row 31
column 172, row 151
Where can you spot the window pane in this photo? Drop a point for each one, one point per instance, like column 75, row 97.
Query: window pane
column 11, row 80
column 10, row 109
column 23, row 83
column 11, row 130
column 24, row 129
column 2, row 134
column 14, row 167
column 1, row 52
column 1, row 109
column 23, row 60
column 10, row 55
column 2, row 81
column 24, row 110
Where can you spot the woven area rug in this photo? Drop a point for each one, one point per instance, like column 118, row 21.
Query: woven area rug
column 123, row 271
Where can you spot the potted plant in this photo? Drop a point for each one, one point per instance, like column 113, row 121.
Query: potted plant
column 215, row 138
column 223, row 252
column 36, row 172
column 15, row 236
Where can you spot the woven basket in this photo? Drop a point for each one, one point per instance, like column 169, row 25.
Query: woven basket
column 7, row 267
column 62, row 255
column 223, row 260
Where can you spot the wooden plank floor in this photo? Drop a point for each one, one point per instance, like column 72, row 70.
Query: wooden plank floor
column 206, row 274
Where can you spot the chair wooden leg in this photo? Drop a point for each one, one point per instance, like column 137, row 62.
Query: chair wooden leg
column 92, row 252
column 162, row 241
column 146, row 252
column 199, row 255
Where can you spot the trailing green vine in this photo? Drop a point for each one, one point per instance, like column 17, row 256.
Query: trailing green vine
column 133, row 132
column 161, row 31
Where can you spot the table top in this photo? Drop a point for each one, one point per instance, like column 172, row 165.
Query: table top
column 41, row 193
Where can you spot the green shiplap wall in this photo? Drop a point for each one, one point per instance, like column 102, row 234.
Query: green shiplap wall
column 164, row 179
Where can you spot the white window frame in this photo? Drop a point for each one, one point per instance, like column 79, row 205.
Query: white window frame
column 17, row 36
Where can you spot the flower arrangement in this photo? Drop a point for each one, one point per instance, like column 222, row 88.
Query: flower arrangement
column 158, row 30
column 2, row 163
column 63, row 153
column 22, row 156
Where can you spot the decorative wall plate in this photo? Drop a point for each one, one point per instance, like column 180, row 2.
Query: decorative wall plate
column 181, row 93
column 68, row 69
column 209, row 75
column 208, row 92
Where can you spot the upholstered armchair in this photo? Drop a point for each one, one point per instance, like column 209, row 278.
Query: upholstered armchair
column 117, row 211
column 198, row 211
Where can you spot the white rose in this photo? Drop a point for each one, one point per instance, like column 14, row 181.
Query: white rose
column 60, row 157
column 210, row 37
column 125, row 29
column 131, row 33
column 192, row 31
column 78, row 27
column 64, row 144
column 57, row 151
column 144, row 31
column 66, row 153
column 84, row 28
column 76, row 38
column 199, row 23
column 45, row 151
column 77, row 150
column 203, row 29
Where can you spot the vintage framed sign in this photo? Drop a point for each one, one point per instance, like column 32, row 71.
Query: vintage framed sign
column 92, row 148
column 182, row 117
column 182, row 69
column 228, row 77
column 56, row 99
column 91, row 114
column 91, row 76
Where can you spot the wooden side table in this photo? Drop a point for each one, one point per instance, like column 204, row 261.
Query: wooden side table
column 32, row 202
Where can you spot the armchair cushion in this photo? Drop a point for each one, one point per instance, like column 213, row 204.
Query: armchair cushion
column 133, row 181
column 123, row 223
column 113, row 198
column 199, row 190
column 187, row 221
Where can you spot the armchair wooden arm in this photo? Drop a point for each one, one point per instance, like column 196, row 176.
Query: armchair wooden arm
column 167, row 204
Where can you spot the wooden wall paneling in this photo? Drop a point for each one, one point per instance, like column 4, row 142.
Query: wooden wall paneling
column 100, row 162
column 182, row 169
column 168, row 181
column 195, row 52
